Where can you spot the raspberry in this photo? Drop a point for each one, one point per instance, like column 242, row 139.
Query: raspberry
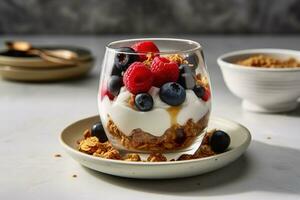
column 164, row 71
column 138, row 78
column 206, row 95
column 145, row 47
column 104, row 92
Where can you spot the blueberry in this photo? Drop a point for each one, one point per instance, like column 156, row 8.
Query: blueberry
column 219, row 141
column 199, row 91
column 172, row 93
column 180, row 136
column 98, row 131
column 125, row 57
column 116, row 71
column 193, row 60
column 143, row 102
column 114, row 85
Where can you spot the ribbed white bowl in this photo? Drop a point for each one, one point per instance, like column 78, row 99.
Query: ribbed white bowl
column 262, row 89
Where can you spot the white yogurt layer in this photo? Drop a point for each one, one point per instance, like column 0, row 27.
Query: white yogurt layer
column 155, row 121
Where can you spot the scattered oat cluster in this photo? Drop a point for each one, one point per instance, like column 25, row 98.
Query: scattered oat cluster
column 268, row 62
column 91, row 145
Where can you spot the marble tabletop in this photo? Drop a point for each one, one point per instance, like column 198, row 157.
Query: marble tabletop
column 33, row 115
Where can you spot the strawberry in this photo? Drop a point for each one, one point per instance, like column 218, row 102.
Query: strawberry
column 138, row 78
column 145, row 47
column 164, row 71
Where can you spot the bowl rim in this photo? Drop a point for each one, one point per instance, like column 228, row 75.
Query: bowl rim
column 291, row 52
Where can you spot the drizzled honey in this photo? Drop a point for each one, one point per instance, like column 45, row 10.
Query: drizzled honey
column 173, row 112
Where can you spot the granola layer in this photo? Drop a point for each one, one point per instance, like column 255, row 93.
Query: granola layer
column 174, row 138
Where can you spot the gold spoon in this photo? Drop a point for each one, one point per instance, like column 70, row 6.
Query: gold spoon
column 61, row 56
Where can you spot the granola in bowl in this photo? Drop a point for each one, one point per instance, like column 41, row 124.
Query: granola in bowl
column 266, row 61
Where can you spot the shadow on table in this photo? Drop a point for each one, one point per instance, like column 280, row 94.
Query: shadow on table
column 263, row 168
column 294, row 113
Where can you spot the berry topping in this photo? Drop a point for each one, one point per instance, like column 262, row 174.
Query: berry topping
column 164, row 71
column 193, row 60
column 206, row 95
column 104, row 92
column 172, row 93
column 98, row 131
column 125, row 57
column 110, row 95
column 219, row 141
column 202, row 92
column 199, row 91
column 145, row 47
column 138, row 78
column 143, row 101
column 115, row 84
column 116, row 71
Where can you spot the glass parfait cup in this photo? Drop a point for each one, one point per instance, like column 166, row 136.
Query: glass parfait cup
column 154, row 94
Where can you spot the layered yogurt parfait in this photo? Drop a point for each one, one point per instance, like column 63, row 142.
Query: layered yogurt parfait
column 154, row 94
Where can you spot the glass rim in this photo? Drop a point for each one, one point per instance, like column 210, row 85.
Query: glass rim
column 190, row 42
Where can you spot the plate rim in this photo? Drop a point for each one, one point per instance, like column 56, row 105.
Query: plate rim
column 246, row 144
column 8, row 68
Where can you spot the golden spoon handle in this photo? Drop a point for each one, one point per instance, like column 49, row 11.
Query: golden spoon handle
column 52, row 58
column 62, row 56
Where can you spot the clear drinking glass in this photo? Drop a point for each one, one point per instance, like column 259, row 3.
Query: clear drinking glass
column 156, row 101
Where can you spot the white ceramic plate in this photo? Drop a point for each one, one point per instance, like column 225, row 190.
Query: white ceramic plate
column 240, row 140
